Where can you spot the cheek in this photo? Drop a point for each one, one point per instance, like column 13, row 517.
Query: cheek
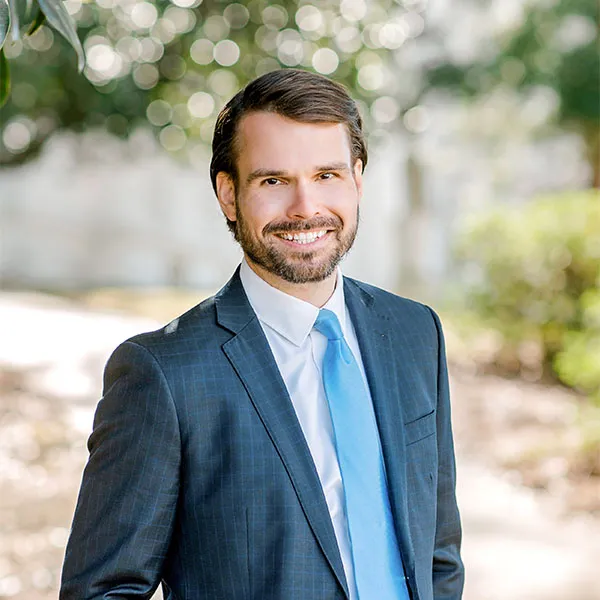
column 270, row 203
column 257, row 211
column 345, row 204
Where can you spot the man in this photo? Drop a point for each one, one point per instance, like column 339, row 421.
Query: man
column 290, row 437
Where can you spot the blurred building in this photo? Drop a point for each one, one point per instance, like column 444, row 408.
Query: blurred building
column 93, row 210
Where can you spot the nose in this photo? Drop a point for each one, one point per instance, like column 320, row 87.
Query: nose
column 303, row 203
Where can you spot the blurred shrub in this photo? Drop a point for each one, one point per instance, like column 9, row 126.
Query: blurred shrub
column 578, row 364
column 538, row 282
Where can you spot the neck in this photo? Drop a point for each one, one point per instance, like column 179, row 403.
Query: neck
column 316, row 293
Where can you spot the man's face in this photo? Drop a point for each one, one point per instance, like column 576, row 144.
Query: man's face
column 296, row 203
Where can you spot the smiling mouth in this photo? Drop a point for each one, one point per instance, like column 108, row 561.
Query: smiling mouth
column 304, row 237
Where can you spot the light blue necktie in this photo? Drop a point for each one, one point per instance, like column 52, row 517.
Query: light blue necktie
column 376, row 557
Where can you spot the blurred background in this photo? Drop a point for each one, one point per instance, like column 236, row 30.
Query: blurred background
column 482, row 199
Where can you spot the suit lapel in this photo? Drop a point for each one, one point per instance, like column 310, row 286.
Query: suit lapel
column 384, row 363
column 252, row 359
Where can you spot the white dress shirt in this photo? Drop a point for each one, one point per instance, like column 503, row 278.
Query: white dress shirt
column 298, row 350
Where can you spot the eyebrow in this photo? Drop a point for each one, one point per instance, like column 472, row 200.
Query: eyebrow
column 264, row 173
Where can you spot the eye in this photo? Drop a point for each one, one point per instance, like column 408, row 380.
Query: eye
column 327, row 176
column 271, row 181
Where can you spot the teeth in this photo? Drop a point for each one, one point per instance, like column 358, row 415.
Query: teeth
column 303, row 238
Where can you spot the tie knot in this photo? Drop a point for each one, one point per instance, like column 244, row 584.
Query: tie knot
column 327, row 323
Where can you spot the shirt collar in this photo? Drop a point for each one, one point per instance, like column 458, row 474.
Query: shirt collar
column 289, row 316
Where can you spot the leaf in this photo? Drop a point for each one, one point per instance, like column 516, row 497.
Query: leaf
column 58, row 16
column 4, row 79
column 28, row 7
column 37, row 23
column 4, row 21
column 14, row 19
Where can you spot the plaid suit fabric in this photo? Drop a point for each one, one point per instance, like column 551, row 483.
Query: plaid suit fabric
column 199, row 476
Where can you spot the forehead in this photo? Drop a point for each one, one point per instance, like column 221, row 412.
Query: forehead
column 266, row 139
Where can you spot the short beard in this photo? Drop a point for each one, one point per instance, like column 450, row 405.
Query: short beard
column 295, row 267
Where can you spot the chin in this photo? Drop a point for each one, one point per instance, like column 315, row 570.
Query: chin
column 298, row 273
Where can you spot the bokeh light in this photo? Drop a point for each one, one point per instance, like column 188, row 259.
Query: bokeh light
column 18, row 134
column 325, row 60
column 353, row 10
column 202, row 52
column 144, row 15
column 371, row 77
column 348, row 40
column 103, row 63
column 216, row 28
column 417, row 119
column 201, row 105
column 186, row 3
column 145, row 76
column 183, row 20
column 226, row 53
column 164, row 30
column 194, row 54
column 223, row 82
column 290, row 50
column 385, row 110
column 41, row 40
column 309, row 18
column 172, row 137
column 275, row 17
column 173, row 67
column 392, row 35
column 159, row 112
column 236, row 15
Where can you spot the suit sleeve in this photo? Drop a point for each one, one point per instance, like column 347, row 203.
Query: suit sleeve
column 448, row 569
column 127, row 502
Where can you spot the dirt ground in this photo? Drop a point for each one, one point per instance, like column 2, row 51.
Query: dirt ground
column 531, row 521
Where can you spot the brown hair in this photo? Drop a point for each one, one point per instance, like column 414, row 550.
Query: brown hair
column 292, row 93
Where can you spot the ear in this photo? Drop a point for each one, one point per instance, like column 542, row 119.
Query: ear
column 358, row 178
column 226, row 195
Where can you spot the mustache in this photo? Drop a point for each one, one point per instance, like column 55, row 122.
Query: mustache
column 298, row 226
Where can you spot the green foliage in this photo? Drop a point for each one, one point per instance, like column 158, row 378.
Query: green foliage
column 58, row 17
column 4, row 21
column 578, row 364
column 23, row 18
column 4, row 78
column 174, row 63
column 147, row 60
column 553, row 46
column 539, row 280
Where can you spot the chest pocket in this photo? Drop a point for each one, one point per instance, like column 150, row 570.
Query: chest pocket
column 419, row 429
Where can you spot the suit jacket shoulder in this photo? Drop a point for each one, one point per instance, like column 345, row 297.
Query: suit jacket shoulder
column 401, row 311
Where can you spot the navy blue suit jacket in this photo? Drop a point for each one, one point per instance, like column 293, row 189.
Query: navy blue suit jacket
column 199, row 475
